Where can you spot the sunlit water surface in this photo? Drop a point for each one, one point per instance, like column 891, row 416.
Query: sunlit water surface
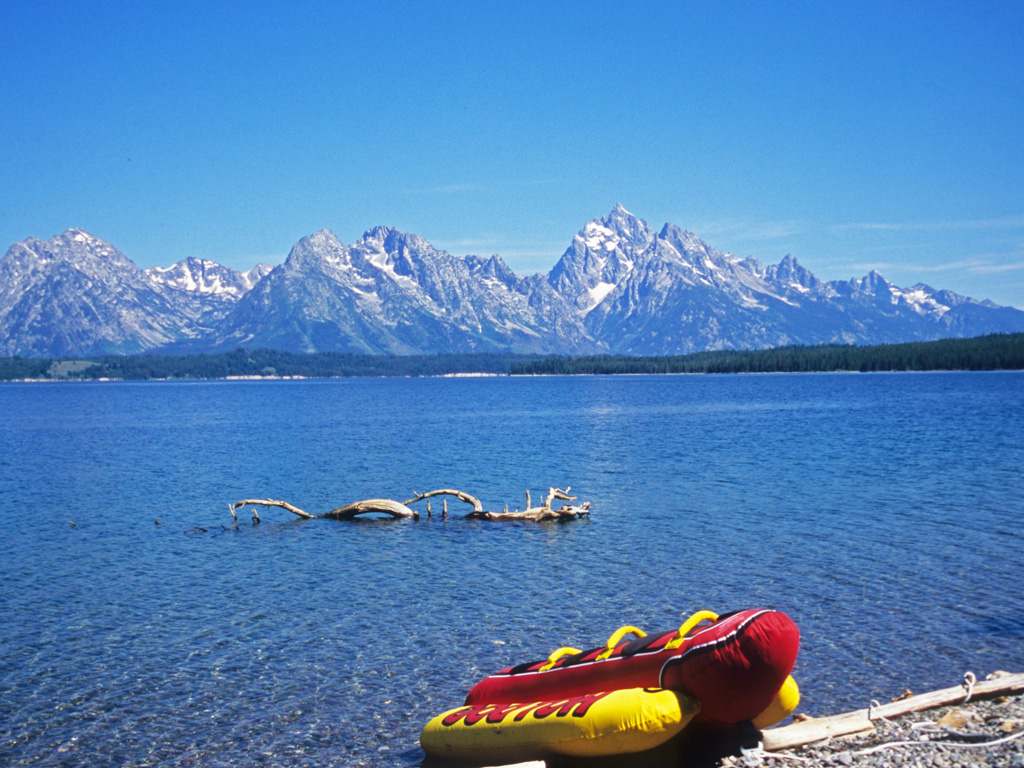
column 882, row 512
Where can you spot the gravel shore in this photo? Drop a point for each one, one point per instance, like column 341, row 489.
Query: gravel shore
column 979, row 733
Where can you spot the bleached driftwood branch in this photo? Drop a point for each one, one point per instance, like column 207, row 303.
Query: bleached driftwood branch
column 385, row 506
column 366, row 506
column 399, row 509
column 460, row 495
column 557, row 493
column 267, row 503
column 544, row 512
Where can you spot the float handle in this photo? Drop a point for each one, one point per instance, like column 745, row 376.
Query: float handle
column 616, row 638
column 689, row 624
column 565, row 650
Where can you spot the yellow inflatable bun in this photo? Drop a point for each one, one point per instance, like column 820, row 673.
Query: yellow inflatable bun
column 782, row 706
column 592, row 725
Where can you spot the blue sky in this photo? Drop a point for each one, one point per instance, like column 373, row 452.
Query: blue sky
column 852, row 135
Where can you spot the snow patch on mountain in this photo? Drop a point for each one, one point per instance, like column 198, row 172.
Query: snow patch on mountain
column 620, row 287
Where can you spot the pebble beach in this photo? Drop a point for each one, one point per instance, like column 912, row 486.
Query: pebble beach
column 979, row 733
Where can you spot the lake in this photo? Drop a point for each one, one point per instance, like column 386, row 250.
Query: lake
column 881, row 512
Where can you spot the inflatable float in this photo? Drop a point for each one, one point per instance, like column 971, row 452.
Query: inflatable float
column 627, row 695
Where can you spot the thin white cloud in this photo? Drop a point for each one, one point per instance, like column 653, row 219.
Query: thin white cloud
column 968, row 264
column 977, row 265
column 988, row 269
column 748, row 230
column 1005, row 222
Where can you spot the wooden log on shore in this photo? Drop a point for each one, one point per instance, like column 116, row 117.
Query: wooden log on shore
column 862, row 720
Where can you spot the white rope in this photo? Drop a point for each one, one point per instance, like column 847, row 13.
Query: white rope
column 969, row 681
column 871, row 716
column 757, row 756
column 968, row 684
column 996, row 743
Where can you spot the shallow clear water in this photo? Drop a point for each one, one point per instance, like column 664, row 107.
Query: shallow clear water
column 882, row 512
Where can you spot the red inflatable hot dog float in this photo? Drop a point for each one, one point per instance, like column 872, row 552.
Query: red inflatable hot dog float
column 723, row 670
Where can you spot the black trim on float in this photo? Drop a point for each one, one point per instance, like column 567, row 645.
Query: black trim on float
column 520, row 668
column 642, row 645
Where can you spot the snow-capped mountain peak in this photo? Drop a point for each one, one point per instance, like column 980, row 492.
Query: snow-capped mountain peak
column 601, row 256
column 618, row 288
column 619, row 230
column 207, row 278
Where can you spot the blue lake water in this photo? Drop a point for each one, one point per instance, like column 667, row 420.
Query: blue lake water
column 882, row 512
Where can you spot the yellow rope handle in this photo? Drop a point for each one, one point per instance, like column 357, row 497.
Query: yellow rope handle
column 565, row 650
column 614, row 640
column 689, row 624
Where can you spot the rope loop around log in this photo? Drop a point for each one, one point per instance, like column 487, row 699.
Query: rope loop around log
column 969, row 681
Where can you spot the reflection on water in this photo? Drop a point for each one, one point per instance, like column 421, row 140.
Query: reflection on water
column 881, row 512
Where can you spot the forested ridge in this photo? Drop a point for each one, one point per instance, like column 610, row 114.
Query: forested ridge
column 982, row 353
column 995, row 352
column 254, row 363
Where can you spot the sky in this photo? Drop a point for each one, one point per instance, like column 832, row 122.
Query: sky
column 852, row 135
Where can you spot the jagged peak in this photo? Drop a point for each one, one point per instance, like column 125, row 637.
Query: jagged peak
column 494, row 267
column 873, row 282
column 380, row 233
column 78, row 235
column 321, row 235
column 625, row 223
column 80, row 246
column 316, row 245
column 684, row 237
column 260, row 271
column 189, row 262
column 391, row 239
column 78, row 238
column 789, row 265
column 676, row 230
column 319, row 239
column 619, row 211
column 619, row 228
column 874, row 277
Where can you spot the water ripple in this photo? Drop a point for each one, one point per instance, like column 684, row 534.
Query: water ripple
column 881, row 512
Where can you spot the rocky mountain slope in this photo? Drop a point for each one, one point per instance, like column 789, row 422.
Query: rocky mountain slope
column 620, row 287
column 393, row 293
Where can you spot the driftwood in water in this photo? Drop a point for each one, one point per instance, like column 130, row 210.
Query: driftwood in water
column 543, row 512
column 267, row 503
column 460, row 495
column 367, row 506
column 862, row 720
column 399, row 509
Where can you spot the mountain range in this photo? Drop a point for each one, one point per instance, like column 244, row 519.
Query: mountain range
column 619, row 288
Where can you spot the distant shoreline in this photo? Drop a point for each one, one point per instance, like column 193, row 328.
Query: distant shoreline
column 236, row 379
column 983, row 353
